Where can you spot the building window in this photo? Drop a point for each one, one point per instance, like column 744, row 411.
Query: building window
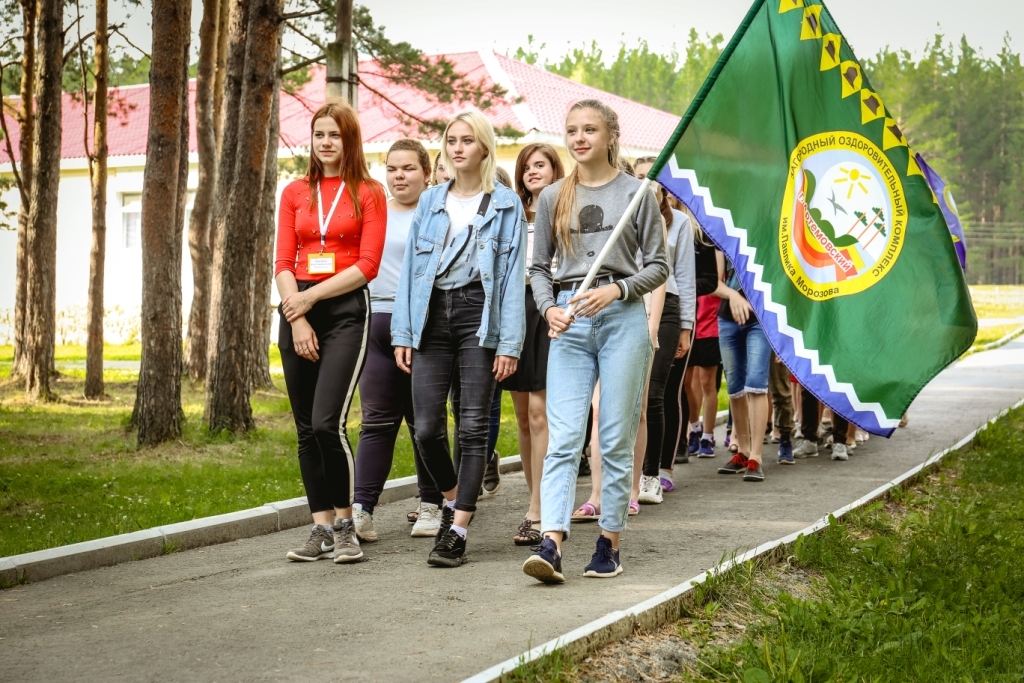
column 131, row 220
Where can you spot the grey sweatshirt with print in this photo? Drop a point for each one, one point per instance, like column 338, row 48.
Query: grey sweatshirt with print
column 598, row 210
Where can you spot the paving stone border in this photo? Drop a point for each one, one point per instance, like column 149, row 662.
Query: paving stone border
column 659, row 610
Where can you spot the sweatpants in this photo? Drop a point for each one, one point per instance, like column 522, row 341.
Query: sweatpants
column 321, row 394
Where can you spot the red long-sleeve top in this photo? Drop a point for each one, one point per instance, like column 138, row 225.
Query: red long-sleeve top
column 353, row 241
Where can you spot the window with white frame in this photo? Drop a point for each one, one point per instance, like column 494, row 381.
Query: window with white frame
column 131, row 220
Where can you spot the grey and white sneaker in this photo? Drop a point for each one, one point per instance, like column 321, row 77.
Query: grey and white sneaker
column 805, row 448
column 346, row 542
column 319, row 546
column 428, row 523
column 839, row 452
column 364, row 523
column 650, row 490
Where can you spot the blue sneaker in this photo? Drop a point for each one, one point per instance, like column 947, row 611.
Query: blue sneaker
column 786, row 452
column 605, row 563
column 546, row 563
column 707, row 448
column 694, row 442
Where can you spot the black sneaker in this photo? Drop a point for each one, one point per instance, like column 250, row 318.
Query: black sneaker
column 450, row 551
column 684, row 457
column 734, row 466
column 447, row 519
column 492, row 475
column 754, row 471
column 546, row 563
column 605, row 563
column 584, row 466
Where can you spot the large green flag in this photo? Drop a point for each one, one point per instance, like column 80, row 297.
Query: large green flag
column 796, row 169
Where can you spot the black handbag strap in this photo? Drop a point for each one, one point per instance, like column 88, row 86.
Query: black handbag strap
column 484, row 203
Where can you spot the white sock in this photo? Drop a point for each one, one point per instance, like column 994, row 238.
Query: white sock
column 665, row 474
column 707, row 436
column 461, row 531
column 695, row 426
column 450, row 503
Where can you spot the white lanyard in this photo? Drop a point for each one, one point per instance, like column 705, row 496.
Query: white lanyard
column 324, row 222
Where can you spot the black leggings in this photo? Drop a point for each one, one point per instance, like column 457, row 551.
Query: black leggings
column 809, row 420
column 321, row 394
column 450, row 346
column 668, row 342
column 385, row 394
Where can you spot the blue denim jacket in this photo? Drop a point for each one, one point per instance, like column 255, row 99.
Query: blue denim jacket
column 501, row 256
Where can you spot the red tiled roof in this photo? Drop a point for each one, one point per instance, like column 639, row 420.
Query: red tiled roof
column 545, row 99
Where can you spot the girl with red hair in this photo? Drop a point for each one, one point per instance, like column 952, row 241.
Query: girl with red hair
column 330, row 236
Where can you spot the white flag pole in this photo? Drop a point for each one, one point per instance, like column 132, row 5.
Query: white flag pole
column 603, row 255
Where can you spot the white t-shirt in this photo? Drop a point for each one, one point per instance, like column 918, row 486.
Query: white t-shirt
column 464, row 270
column 385, row 285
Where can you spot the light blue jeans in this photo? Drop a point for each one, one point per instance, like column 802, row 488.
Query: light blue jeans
column 615, row 347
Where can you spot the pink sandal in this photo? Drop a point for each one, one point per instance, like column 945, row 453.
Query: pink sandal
column 587, row 512
column 634, row 508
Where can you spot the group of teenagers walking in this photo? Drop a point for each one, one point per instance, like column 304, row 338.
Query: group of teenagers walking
column 457, row 288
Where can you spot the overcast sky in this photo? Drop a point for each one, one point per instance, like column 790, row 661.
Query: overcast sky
column 869, row 25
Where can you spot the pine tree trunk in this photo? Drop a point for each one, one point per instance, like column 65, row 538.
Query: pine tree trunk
column 26, row 126
column 41, row 237
column 98, row 172
column 199, row 227
column 262, row 313
column 231, row 95
column 227, row 387
column 158, row 413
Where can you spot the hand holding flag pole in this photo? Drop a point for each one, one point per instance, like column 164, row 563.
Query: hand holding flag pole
column 602, row 256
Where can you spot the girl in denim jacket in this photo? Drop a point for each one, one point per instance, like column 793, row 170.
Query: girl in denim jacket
column 459, row 312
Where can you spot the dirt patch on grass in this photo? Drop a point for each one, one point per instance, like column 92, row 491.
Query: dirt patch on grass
column 673, row 651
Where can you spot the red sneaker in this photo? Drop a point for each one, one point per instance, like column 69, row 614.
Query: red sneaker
column 736, row 465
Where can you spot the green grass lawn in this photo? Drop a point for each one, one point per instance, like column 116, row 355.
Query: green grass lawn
column 70, row 471
column 926, row 586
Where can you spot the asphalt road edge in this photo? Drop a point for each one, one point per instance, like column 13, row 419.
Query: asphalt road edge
column 667, row 606
column 196, row 533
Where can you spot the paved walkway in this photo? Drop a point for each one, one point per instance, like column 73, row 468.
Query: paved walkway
column 239, row 611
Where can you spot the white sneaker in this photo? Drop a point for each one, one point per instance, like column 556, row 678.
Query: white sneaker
column 839, row 452
column 429, row 521
column 805, row 448
column 650, row 490
column 364, row 523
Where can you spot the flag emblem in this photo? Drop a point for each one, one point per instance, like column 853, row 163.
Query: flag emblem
column 843, row 216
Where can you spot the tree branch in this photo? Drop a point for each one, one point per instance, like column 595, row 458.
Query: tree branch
column 114, row 28
column 10, row 153
column 303, row 15
column 394, row 104
column 312, row 40
column 292, row 68
column 117, row 30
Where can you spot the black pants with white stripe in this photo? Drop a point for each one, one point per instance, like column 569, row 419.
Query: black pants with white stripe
column 321, row 394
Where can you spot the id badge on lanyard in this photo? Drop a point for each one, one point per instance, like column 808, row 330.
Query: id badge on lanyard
column 322, row 263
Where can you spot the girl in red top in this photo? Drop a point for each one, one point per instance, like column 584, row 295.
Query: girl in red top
column 330, row 235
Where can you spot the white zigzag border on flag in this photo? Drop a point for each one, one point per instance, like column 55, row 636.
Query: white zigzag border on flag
column 799, row 349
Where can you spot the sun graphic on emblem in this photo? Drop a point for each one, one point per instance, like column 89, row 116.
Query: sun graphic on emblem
column 854, row 177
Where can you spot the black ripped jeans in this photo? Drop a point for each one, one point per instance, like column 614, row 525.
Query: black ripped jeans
column 450, row 351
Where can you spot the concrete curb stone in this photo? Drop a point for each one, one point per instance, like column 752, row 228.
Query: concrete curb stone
column 140, row 545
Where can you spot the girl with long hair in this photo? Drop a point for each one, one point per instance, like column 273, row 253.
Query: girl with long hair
column 459, row 312
column 330, row 236
column 606, row 337
column 537, row 166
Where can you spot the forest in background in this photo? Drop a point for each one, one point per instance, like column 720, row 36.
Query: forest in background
column 962, row 110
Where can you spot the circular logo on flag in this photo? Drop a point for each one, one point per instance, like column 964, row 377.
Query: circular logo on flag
column 843, row 215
